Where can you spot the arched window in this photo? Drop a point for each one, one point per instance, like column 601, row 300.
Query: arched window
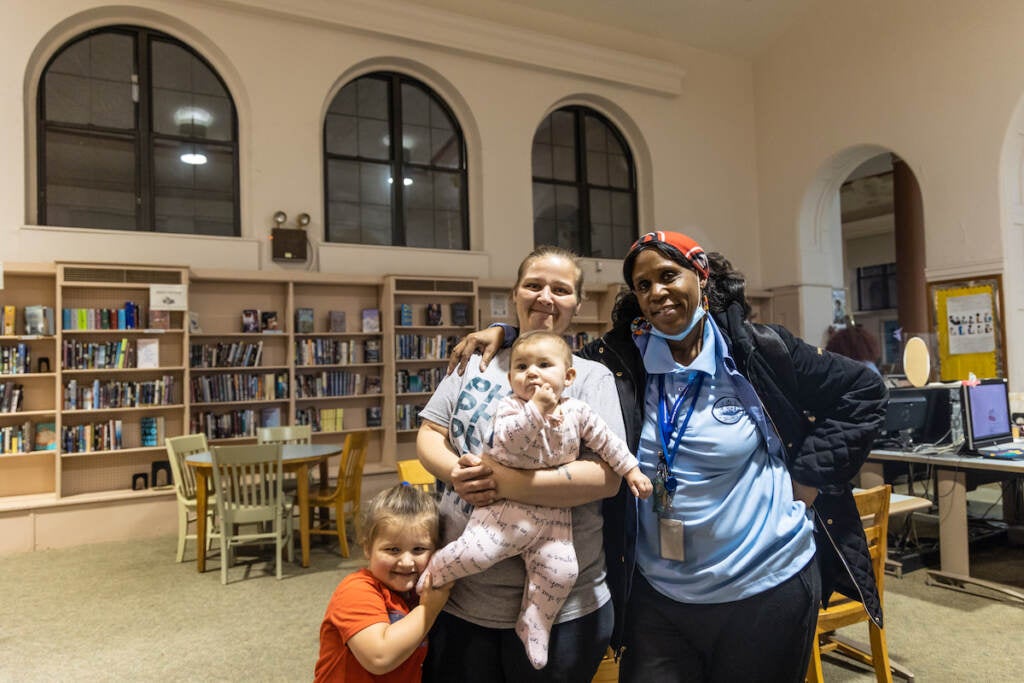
column 378, row 191
column 584, row 184
column 136, row 132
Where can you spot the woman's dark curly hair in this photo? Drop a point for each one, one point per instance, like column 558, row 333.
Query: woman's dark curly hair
column 726, row 286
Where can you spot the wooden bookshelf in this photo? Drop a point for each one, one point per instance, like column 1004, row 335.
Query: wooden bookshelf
column 420, row 345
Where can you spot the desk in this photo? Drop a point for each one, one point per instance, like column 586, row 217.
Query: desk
column 295, row 457
column 951, row 490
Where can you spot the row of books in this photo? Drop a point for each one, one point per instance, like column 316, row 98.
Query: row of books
column 426, row 379
column 27, row 438
column 335, row 383
column 323, row 351
column 423, row 347
column 239, row 387
column 126, row 318
column 15, row 359
column 225, row 355
column 79, row 355
column 433, row 316
column 305, row 321
column 11, row 395
column 118, row 394
column 578, row 341
column 98, row 436
column 225, row 425
column 407, row 416
column 321, row 419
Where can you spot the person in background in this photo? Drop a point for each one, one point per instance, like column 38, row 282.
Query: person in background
column 751, row 437
column 856, row 342
column 536, row 427
column 375, row 628
column 474, row 637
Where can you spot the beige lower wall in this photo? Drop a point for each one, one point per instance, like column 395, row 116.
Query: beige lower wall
column 62, row 526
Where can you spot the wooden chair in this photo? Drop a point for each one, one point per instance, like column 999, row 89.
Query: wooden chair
column 873, row 505
column 289, row 434
column 248, row 481
column 346, row 494
column 415, row 474
column 608, row 670
column 178, row 448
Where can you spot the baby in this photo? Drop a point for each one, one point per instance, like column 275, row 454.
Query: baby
column 536, row 428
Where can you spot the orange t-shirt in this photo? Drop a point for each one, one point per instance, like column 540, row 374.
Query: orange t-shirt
column 360, row 601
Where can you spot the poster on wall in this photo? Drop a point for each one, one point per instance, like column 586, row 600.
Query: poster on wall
column 838, row 308
column 969, row 324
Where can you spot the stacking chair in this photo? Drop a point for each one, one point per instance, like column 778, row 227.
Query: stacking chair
column 284, row 435
column 248, row 482
column 178, row 448
column 345, row 496
column 415, row 474
column 873, row 505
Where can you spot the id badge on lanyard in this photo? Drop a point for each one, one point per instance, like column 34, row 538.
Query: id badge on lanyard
column 670, row 531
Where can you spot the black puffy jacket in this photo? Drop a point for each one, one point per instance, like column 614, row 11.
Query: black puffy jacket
column 827, row 410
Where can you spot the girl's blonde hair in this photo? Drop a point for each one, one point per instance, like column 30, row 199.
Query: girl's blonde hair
column 403, row 505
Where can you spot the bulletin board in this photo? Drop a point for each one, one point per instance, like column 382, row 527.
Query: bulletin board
column 968, row 322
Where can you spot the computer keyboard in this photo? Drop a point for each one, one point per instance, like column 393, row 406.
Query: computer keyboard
column 1008, row 454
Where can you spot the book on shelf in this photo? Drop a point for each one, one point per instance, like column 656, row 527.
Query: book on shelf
column 268, row 321
column 151, row 430
column 460, row 313
column 434, row 314
column 304, row 320
column 371, row 351
column 270, row 416
column 250, row 320
column 415, row 383
column 159, row 320
column 10, row 397
column 374, row 415
column 45, row 438
column 147, row 353
column 371, row 320
column 336, row 321
column 9, row 315
column 371, row 384
column 39, row 320
column 404, row 314
column 193, row 323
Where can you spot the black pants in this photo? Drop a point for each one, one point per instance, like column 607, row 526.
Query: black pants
column 462, row 652
column 766, row 637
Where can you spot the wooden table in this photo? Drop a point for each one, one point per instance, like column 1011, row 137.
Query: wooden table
column 951, row 490
column 295, row 457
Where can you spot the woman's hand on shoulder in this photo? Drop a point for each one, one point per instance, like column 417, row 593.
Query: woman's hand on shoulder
column 486, row 341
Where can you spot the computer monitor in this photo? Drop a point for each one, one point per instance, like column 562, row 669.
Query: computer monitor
column 906, row 413
column 986, row 411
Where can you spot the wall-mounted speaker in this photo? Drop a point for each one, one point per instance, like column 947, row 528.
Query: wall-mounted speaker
column 288, row 244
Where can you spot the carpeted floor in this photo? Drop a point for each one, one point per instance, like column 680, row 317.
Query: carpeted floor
column 127, row 611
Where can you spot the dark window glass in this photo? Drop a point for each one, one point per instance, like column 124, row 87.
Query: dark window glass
column 584, row 191
column 136, row 132
column 876, row 287
column 410, row 194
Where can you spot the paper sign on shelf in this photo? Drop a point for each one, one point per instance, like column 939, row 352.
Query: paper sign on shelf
column 167, row 298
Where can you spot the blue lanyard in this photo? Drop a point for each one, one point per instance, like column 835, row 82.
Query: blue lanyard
column 667, row 420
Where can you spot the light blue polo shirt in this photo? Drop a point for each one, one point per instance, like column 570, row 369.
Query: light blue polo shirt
column 742, row 531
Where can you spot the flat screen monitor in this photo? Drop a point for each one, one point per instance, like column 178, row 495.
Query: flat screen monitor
column 986, row 410
column 906, row 413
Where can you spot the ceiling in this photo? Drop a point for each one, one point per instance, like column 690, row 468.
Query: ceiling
column 744, row 28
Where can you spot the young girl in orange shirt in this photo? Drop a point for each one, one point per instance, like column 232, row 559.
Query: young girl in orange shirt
column 375, row 628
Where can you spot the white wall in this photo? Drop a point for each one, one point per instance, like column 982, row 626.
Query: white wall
column 689, row 118
column 938, row 84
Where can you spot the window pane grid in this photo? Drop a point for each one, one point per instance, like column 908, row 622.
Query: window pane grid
column 424, row 176
column 175, row 93
column 576, row 151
